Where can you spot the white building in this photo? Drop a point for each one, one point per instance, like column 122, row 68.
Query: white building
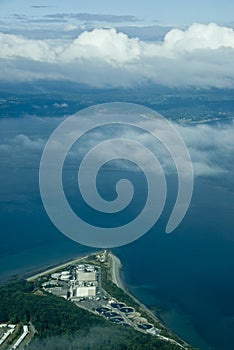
column 84, row 292
column 55, row 276
column 83, row 276
column 65, row 277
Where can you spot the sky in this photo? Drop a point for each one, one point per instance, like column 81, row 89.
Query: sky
column 200, row 55
column 166, row 11
column 118, row 44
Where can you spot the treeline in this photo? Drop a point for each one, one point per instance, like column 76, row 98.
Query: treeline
column 60, row 324
column 49, row 314
column 105, row 338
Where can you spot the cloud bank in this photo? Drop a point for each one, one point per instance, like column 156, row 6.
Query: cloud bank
column 211, row 147
column 201, row 55
column 93, row 17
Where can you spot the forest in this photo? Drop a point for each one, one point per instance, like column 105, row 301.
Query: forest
column 60, row 324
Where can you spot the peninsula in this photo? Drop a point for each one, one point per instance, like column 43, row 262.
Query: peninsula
column 84, row 302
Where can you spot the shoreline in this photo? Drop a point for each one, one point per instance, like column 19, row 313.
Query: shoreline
column 31, row 276
column 119, row 281
column 116, row 277
column 116, row 273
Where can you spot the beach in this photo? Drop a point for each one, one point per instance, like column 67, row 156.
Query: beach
column 116, row 272
column 58, row 267
column 117, row 278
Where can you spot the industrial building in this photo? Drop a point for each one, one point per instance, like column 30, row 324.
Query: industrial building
column 83, row 276
column 85, row 285
column 84, row 292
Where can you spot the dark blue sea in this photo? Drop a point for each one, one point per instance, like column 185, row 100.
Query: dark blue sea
column 186, row 277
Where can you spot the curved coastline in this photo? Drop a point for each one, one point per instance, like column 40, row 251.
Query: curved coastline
column 117, row 278
column 116, row 273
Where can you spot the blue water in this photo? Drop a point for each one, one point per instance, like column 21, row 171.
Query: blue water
column 188, row 275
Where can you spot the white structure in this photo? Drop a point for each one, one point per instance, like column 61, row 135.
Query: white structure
column 86, row 276
column 65, row 277
column 81, row 267
column 85, row 292
column 64, row 273
column 7, row 333
column 90, row 268
column 21, row 338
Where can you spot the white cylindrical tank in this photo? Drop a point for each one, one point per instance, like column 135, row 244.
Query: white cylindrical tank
column 65, row 277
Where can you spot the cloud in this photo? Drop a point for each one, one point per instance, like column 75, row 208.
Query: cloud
column 41, row 6
column 60, row 105
column 16, row 46
column 21, row 143
column 201, row 55
column 199, row 36
column 94, row 17
column 211, row 147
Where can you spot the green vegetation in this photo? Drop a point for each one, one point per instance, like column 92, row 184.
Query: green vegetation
column 105, row 338
column 60, row 324
column 121, row 295
column 49, row 314
column 115, row 291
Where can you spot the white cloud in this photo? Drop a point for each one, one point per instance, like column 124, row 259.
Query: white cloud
column 70, row 27
column 22, row 143
column 106, row 45
column 211, row 147
column 15, row 46
column 60, row 105
column 201, row 55
column 199, row 36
